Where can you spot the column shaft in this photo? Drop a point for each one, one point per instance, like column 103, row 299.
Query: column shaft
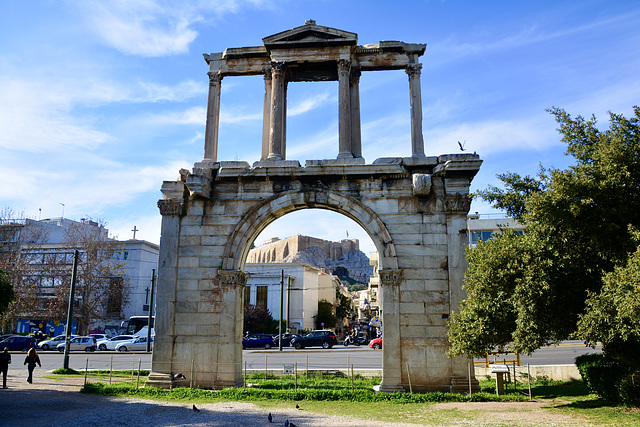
column 213, row 117
column 356, row 144
column 344, row 110
column 266, row 115
column 277, row 111
column 417, row 142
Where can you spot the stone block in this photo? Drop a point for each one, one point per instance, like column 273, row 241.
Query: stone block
column 413, row 332
column 411, row 308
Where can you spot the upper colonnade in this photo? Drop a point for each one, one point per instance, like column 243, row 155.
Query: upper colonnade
column 313, row 53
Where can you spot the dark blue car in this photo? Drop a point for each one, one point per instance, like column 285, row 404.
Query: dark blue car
column 18, row 343
column 258, row 341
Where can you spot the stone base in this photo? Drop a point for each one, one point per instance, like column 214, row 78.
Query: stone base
column 277, row 164
column 388, row 389
column 167, row 381
column 461, row 385
column 336, row 162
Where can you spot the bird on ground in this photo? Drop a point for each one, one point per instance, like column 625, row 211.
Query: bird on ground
column 270, row 418
column 286, row 423
column 195, row 409
column 292, row 425
column 297, row 407
column 179, row 377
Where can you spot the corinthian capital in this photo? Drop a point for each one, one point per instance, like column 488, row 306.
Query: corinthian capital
column 232, row 278
column 214, row 77
column 390, row 277
column 277, row 68
column 344, row 66
column 170, row 207
column 414, row 70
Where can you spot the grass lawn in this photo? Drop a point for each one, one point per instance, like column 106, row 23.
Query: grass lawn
column 355, row 397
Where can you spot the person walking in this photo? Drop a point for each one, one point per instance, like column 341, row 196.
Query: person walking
column 31, row 360
column 5, row 360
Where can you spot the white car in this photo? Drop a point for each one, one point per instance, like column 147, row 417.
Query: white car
column 110, row 344
column 80, row 343
column 138, row 345
column 52, row 344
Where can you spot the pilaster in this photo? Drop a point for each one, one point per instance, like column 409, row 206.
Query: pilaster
column 356, row 138
column 266, row 115
column 390, row 281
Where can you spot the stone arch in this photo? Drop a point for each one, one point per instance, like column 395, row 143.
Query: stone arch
column 260, row 216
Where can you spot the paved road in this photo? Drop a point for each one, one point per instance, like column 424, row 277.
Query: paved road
column 339, row 357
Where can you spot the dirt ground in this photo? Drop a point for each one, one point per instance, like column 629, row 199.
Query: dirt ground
column 48, row 402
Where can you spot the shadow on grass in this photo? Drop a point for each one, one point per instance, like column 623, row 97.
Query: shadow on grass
column 567, row 389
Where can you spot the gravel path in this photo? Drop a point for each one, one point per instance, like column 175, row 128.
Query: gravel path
column 49, row 402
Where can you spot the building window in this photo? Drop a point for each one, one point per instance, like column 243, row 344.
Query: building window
column 247, row 294
column 261, row 295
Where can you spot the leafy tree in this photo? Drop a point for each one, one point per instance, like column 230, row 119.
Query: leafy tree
column 258, row 319
column 102, row 287
column 6, row 292
column 16, row 234
column 534, row 289
column 325, row 315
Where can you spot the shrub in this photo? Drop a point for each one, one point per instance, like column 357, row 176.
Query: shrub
column 609, row 378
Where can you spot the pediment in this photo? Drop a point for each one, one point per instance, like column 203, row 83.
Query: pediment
column 310, row 34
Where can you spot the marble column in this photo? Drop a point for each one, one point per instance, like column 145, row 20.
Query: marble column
column 391, row 354
column 356, row 144
column 161, row 361
column 344, row 110
column 417, row 142
column 213, row 117
column 266, row 115
column 278, row 105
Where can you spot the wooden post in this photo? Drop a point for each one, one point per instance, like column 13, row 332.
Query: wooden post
column 110, row 369
column 138, row 381
column 409, row 376
column 86, row 368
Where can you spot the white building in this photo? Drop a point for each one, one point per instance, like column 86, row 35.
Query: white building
column 140, row 258
column 304, row 286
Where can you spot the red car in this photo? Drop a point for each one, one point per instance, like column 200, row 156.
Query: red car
column 376, row 343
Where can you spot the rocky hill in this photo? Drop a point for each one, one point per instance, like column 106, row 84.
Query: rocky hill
column 354, row 264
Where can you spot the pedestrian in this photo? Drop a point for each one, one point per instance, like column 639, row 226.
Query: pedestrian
column 31, row 360
column 5, row 360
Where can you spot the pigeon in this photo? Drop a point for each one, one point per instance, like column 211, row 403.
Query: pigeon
column 270, row 418
column 179, row 377
column 286, row 423
column 461, row 145
column 292, row 425
column 297, row 407
column 195, row 409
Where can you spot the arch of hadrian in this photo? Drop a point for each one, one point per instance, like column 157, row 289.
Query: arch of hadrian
column 413, row 208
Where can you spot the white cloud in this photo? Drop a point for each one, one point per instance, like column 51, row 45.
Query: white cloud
column 152, row 28
column 309, row 104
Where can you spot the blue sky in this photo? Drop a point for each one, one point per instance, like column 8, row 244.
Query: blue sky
column 100, row 101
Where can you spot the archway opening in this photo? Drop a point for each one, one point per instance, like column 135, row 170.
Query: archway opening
column 328, row 267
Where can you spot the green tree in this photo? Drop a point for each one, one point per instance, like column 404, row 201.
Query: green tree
column 258, row 319
column 533, row 289
column 6, row 292
column 325, row 315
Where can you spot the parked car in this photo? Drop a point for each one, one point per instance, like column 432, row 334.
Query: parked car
column 110, row 343
column 376, row 343
column 258, row 340
column 18, row 343
column 140, row 344
column 99, row 337
column 79, row 343
column 286, row 339
column 325, row 339
column 52, row 344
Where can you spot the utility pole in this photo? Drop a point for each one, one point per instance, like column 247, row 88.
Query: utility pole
column 150, row 320
column 281, row 306
column 67, row 339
